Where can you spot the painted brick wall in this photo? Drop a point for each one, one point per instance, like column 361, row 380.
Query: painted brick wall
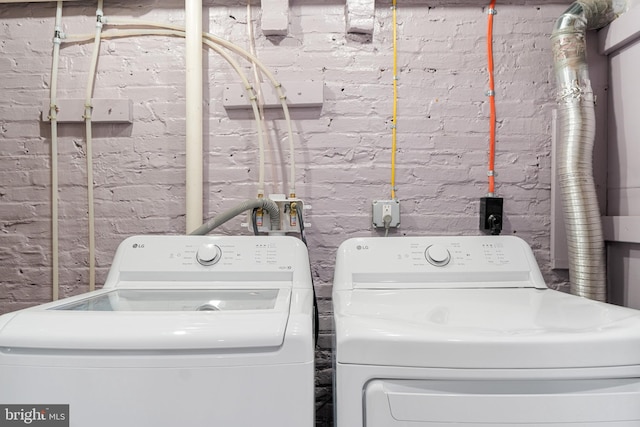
column 343, row 157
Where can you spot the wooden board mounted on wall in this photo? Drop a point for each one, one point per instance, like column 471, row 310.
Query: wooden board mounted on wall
column 104, row 110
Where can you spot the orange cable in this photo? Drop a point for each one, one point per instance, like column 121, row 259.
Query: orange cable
column 492, row 100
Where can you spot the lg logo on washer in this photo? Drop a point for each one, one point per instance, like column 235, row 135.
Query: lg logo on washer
column 34, row 415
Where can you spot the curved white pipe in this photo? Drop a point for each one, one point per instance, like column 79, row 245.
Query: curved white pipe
column 254, row 106
column 114, row 34
column 281, row 96
column 261, row 202
column 234, row 64
column 194, row 175
column 88, row 108
column 257, row 80
column 234, row 48
column 53, row 117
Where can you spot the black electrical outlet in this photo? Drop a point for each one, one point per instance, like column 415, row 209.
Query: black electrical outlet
column 491, row 215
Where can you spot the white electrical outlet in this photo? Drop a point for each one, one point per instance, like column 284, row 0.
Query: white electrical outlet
column 386, row 208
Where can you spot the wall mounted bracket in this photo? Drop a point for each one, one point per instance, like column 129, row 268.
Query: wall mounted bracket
column 104, row 110
column 303, row 98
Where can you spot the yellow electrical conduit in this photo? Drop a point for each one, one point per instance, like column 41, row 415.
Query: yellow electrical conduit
column 394, row 120
column 213, row 42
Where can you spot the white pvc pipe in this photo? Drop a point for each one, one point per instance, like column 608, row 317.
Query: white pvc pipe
column 257, row 80
column 53, row 117
column 194, row 178
column 212, row 41
column 88, row 108
column 281, row 96
column 249, row 57
column 163, row 32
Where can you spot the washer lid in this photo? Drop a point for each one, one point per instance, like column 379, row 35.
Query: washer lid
column 153, row 319
column 483, row 328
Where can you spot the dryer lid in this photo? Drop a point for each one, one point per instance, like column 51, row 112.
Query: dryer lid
column 154, row 319
column 483, row 328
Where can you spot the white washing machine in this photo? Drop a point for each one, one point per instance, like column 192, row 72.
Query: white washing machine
column 463, row 331
column 187, row 331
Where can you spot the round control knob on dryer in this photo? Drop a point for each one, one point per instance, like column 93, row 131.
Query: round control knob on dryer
column 437, row 255
column 209, row 254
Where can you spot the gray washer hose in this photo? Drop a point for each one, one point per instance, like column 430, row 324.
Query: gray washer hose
column 266, row 204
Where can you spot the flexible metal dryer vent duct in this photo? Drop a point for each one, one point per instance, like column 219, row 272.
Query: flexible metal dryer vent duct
column 576, row 123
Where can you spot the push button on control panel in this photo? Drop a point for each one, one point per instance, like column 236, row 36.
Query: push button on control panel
column 437, row 255
column 208, row 254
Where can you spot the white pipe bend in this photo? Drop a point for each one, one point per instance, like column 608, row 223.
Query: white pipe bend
column 264, row 203
column 248, row 56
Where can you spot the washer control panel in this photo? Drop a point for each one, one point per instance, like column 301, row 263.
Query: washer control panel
column 210, row 253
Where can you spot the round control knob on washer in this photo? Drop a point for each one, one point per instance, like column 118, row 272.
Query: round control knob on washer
column 209, row 254
column 437, row 255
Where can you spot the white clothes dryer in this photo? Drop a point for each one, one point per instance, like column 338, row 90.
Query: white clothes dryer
column 463, row 331
column 187, row 331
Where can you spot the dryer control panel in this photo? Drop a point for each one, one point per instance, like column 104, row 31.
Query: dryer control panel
column 462, row 261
